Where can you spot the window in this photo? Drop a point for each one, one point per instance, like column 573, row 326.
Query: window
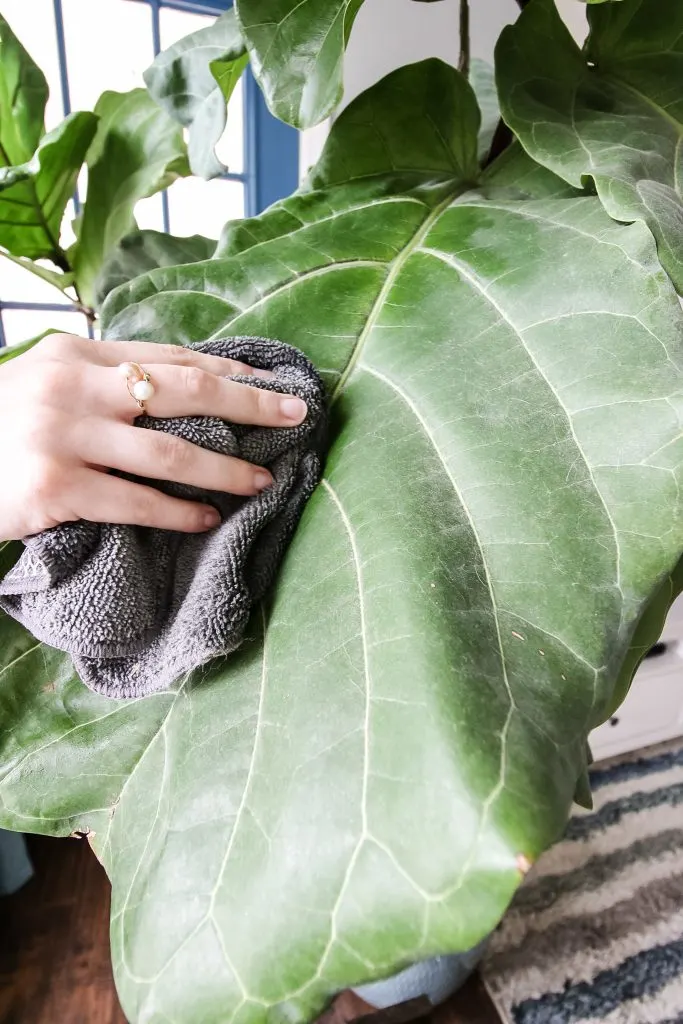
column 87, row 46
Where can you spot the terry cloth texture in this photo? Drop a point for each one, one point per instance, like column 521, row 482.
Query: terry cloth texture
column 136, row 608
column 595, row 935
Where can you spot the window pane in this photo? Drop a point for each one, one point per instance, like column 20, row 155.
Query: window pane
column 19, row 285
column 67, row 236
column 34, row 25
column 173, row 25
column 149, row 213
column 108, row 46
column 202, row 207
column 21, row 325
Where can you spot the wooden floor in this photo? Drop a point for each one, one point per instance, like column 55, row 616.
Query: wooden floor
column 54, row 950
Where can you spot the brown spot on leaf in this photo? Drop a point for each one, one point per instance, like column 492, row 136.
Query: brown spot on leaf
column 523, row 864
column 49, row 688
column 82, row 833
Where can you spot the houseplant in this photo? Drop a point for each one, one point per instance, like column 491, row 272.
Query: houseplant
column 493, row 548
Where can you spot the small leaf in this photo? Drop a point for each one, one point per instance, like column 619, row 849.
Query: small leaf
column 482, row 80
column 145, row 250
column 33, row 195
column 59, row 279
column 137, row 151
column 296, row 49
column 193, row 81
column 8, row 352
column 609, row 114
column 23, row 95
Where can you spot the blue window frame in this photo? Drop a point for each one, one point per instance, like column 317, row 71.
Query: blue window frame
column 271, row 148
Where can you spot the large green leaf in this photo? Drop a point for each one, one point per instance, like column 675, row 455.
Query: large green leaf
column 33, row 195
column 138, row 150
column 365, row 781
column 613, row 113
column 23, row 95
column 297, row 49
column 144, row 250
column 193, row 81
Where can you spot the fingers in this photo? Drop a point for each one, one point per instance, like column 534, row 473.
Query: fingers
column 191, row 391
column 159, row 456
column 106, row 499
column 112, row 353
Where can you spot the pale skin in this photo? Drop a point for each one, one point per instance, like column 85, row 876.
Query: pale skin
column 66, row 418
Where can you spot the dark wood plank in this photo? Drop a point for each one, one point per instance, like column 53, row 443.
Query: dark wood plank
column 54, row 941
column 54, row 951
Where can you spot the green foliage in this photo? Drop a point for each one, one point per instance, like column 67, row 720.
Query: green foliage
column 493, row 549
column 612, row 113
column 132, row 149
column 12, row 351
column 37, row 172
column 296, row 49
column 137, row 151
column 144, row 250
column 193, row 80
column 33, row 195
column 463, row 589
column 23, row 95
column 482, row 80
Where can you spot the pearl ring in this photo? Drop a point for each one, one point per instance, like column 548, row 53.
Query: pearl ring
column 138, row 382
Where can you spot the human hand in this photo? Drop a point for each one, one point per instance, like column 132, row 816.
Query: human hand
column 66, row 417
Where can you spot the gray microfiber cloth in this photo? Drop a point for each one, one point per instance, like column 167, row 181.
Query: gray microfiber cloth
column 137, row 608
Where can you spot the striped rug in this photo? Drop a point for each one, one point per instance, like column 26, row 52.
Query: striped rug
column 595, row 935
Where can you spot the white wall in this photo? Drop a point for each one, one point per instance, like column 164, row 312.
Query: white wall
column 390, row 33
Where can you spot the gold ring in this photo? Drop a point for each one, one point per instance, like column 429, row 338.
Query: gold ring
column 138, row 382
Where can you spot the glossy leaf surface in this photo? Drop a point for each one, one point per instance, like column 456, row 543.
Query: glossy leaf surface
column 33, row 195
column 145, row 250
column 296, row 49
column 23, row 95
column 363, row 783
column 193, row 81
column 612, row 114
column 138, row 150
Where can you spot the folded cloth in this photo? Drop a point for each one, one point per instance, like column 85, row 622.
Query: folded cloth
column 136, row 607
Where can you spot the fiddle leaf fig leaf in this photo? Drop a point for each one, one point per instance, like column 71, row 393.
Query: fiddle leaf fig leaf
column 610, row 114
column 193, row 81
column 137, row 151
column 23, row 95
column 357, row 787
column 482, row 80
column 33, row 195
column 296, row 48
column 144, row 250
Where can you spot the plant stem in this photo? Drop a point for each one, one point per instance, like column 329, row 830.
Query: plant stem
column 87, row 311
column 464, row 60
column 502, row 138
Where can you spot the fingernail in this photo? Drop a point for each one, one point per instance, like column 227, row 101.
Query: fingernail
column 265, row 374
column 294, row 409
column 211, row 519
column 262, row 480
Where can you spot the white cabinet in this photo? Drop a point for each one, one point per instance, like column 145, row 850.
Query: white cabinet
column 653, row 710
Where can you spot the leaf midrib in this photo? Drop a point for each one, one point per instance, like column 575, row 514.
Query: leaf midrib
column 394, row 270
